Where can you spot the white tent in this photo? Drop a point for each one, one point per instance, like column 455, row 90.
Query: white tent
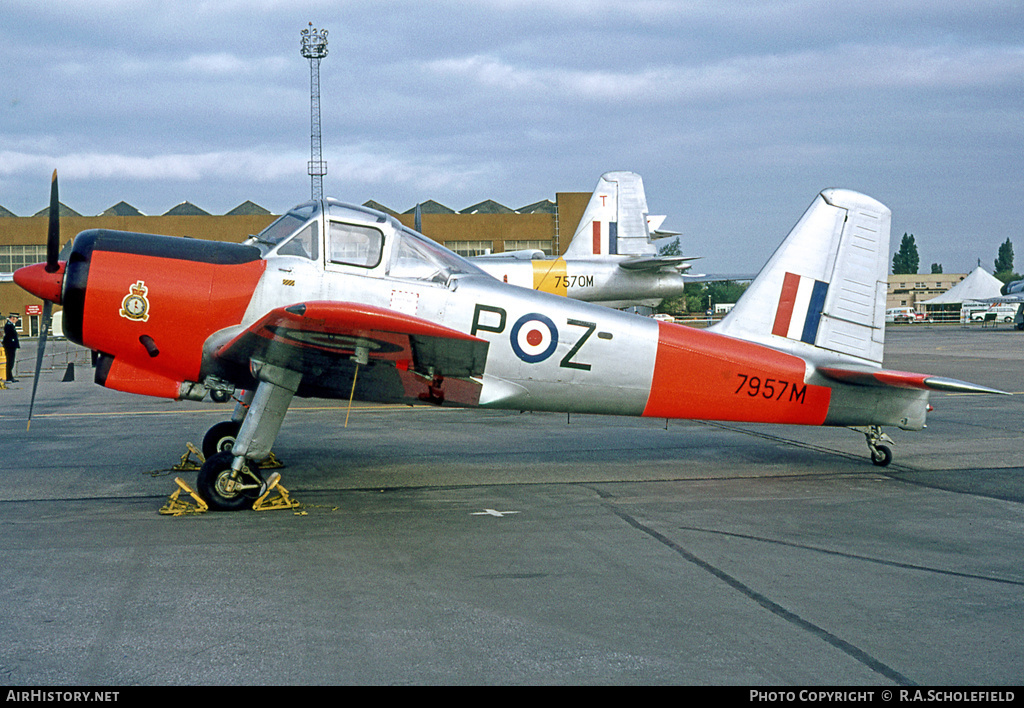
column 979, row 285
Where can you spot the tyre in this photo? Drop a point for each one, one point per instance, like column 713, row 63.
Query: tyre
column 217, row 488
column 881, row 455
column 220, row 438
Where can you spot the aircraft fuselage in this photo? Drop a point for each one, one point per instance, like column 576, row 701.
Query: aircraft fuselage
column 598, row 280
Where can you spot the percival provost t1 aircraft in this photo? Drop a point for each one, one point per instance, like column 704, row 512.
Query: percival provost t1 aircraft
column 610, row 260
column 338, row 301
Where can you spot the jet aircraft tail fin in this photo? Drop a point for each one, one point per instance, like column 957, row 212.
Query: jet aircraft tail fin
column 823, row 290
column 615, row 221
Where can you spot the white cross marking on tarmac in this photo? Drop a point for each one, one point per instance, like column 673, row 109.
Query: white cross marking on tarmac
column 492, row 512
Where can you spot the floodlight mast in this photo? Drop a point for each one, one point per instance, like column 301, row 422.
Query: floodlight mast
column 314, row 48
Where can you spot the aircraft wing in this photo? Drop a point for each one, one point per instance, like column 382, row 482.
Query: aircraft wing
column 718, row 277
column 1011, row 293
column 1004, row 299
column 657, row 262
column 402, row 356
column 902, row 379
column 6, row 277
column 528, row 254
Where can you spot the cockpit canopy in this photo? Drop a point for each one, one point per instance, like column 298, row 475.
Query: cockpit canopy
column 343, row 237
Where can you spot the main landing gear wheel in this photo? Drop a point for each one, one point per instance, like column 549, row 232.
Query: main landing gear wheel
column 223, row 488
column 220, row 438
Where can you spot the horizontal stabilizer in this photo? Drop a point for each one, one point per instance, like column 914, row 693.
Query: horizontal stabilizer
column 903, row 379
column 654, row 223
column 657, row 262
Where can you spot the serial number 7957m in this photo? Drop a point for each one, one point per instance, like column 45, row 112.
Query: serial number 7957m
column 771, row 389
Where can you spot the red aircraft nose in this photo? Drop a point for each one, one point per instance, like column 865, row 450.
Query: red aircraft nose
column 37, row 281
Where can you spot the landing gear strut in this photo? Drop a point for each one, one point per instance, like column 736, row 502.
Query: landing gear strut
column 230, row 478
column 881, row 454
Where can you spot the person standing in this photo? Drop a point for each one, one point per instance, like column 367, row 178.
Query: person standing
column 11, row 344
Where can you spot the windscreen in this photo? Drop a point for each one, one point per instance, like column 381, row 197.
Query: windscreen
column 420, row 258
column 283, row 227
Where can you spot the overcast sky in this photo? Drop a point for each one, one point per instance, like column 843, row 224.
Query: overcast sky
column 734, row 113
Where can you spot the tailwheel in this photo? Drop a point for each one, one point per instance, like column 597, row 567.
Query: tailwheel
column 881, row 455
column 224, row 488
column 220, row 438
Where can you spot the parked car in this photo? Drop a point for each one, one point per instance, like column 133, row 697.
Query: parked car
column 999, row 313
column 900, row 314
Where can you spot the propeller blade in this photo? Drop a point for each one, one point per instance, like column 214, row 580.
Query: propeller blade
column 53, row 234
column 52, row 266
column 44, row 330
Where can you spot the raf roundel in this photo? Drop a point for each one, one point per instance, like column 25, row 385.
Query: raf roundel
column 534, row 338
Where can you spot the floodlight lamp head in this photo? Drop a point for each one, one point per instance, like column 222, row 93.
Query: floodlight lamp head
column 314, row 43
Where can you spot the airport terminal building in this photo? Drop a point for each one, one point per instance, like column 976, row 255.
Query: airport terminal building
column 487, row 227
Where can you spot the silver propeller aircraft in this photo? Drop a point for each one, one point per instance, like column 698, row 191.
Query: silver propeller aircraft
column 611, row 259
column 1012, row 294
column 339, row 301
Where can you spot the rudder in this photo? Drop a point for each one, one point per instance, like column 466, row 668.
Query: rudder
column 615, row 220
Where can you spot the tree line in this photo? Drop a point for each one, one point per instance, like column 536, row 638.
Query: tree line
column 906, row 260
column 700, row 297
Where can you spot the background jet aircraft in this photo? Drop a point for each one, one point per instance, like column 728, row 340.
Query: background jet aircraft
column 338, row 301
column 1013, row 293
column 611, row 259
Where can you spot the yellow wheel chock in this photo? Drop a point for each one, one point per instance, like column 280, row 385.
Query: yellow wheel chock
column 179, row 507
column 271, row 463
column 187, row 464
column 282, row 501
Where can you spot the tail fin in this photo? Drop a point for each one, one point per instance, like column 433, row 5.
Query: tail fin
column 615, row 221
column 824, row 288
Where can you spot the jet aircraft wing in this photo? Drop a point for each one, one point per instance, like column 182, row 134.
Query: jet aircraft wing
column 1003, row 299
column 1010, row 293
column 527, row 254
column 404, row 358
